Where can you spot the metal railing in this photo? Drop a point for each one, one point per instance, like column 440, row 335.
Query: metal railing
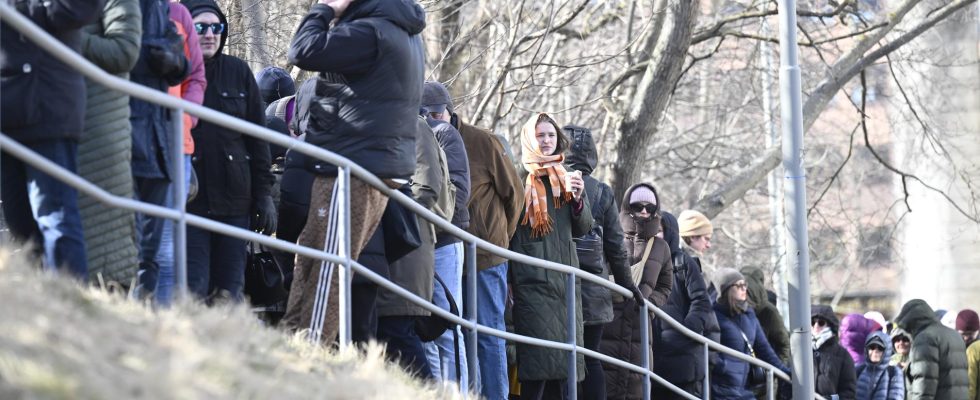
column 346, row 169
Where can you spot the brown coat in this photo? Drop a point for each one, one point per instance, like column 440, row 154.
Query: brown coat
column 621, row 337
column 496, row 192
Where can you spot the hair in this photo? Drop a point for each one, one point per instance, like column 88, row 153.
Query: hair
column 728, row 299
column 563, row 142
column 687, row 239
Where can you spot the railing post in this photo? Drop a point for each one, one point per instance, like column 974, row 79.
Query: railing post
column 645, row 347
column 706, row 395
column 180, row 204
column 770, row 389
column 571, row 331
column 472, row 335
column 345, row 275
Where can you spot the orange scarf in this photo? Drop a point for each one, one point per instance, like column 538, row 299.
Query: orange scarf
column 539, row 166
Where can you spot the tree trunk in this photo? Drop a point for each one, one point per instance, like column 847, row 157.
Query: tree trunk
column 639, row 125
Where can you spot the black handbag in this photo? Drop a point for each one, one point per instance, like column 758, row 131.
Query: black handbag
column 264, row 278
column 757, row 374
column 401, row 231
column 431, row 327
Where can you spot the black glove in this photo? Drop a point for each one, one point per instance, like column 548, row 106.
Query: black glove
column 167, row 63
column 264, row 217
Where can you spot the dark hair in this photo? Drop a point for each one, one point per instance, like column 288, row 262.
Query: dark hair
column 563, row 143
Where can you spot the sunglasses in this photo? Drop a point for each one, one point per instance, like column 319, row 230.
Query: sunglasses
column 637, row 208
column 216, row 28
column 818, row 322
column 742, row 286
column 902, row 339
column 875, row 347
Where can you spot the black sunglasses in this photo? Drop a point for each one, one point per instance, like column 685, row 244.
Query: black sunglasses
column 876, row 347
column 637, row 208
column 818, row 322
column 902, row 339
column 216, row 28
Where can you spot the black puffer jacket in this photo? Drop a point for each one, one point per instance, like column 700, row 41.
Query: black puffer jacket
column 832, row 364
column 680, row 360
column 232, row 169
column 371, row 66
column 44, row 99
column 600, row 252
column 937, row 362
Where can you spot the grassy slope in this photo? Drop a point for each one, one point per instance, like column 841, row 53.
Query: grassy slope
column 61, row 341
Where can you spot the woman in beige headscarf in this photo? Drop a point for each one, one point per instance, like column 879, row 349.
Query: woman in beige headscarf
column 556, row 210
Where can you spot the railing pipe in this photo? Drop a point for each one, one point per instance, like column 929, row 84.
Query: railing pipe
column 571, row 333
column 180, row 203
column 645, row 347
column 472, row 350
column 344, row 274
column 770, row 388
column 706, row 394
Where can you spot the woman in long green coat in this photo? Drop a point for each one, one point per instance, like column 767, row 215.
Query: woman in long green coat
column 556, row 210
column 105, row 150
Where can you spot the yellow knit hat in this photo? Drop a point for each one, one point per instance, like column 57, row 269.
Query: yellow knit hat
column 693, row 223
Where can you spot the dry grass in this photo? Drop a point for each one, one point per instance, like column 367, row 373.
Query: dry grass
column 59, row 340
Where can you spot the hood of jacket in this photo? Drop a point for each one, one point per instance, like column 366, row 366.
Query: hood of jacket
column 583, row 155
column 672, row 235
column 199, row 6
column 755, row 278
column 827, row 313
column 854, row 330
column 643, row 229
column 915, row 316
column 882, row 340
column 405, row 14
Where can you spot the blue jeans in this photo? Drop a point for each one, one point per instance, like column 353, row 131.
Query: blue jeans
column 149, row 230
column 165, row 257
column 216, row 262
column 41, row 209
column 491, row 296
column 439, row 352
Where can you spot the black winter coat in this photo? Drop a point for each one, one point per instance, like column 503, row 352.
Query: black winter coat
column 600, row 252
column 42, row 98
column 681, row 360
column 371, row 66
column 233, row 169
column 833, row 370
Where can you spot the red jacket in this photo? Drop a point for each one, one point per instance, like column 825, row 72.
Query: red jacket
column 192, row 88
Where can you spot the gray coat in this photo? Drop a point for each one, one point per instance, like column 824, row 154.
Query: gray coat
column 414, row 271
column 539, row 294
column 104, row 152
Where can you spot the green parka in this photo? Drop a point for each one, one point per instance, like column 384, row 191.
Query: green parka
column 105, row 149
column 769, row 317
column 937, row 361
column 539, row 294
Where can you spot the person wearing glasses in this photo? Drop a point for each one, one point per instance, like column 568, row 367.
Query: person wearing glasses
column 902, row 343
column 876, row 380
column 732, row 378
column 652, row 271
column 833, row 367
column 556, row 209
column 233, row 169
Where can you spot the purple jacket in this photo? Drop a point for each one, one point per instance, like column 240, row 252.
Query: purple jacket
column 854, row 330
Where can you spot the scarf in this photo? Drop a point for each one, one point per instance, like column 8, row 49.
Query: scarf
column 822, row 338
column 540, row 167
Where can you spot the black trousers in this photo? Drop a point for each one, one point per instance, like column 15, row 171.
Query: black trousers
column 544, row 390
column 363, row 312
column 594, row 384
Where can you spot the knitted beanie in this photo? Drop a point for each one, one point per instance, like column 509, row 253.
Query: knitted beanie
column 967, row 321
column 724, row 278
column 693, row 223
column 643, row 194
